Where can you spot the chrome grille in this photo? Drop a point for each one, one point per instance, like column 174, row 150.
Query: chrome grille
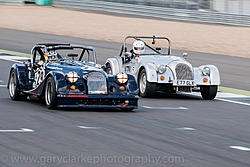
column 97, row 83
column 183, row 72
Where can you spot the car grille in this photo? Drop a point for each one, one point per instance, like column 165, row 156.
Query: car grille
column 183, row 72
column 97, row 83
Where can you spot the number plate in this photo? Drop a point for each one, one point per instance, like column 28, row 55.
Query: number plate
column 184, row 83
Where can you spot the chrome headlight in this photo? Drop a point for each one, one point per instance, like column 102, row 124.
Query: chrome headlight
column 122, row 78
column 206, row 71
column 162, row 69
column 72, row 77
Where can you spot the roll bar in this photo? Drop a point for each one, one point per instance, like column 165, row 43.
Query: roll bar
column 57, row 46
column 124, row 47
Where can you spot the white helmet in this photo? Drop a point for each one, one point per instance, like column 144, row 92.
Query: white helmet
column 138, row 47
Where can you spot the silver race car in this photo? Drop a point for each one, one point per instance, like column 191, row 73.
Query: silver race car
column 156, row 69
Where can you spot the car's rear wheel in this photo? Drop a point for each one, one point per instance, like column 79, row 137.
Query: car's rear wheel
column 209, row 92
column 14, row 92
column 50, row 94
column 146, row 89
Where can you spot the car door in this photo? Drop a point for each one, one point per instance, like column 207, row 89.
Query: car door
column 37, row 68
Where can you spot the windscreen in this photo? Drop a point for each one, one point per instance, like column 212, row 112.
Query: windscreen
column 74, row 54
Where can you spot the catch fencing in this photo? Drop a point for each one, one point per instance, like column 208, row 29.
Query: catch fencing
column 157, row 12
column 189, row 10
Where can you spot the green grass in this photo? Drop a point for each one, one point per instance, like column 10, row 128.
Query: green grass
column 14, row 53
column 235, row 91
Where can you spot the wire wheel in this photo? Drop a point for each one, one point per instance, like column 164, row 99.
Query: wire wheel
column 50, row 94
column 12, row 85
column 14, row 92
column 146, row 89
column 143, row 83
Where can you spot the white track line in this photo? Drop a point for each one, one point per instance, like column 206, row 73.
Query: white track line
column 13, row 58
column 87, row 127
column 222, row 96
column 4, row 86
column 229, row 95
column 166, row 108
column 20, row 130
column 240, row 148
column 232, row 101
column 186, row 128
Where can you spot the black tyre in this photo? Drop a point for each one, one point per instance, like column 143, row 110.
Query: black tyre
column 208, row 92
column 14, row 92
column 50, row 95
column 146, row 89
column 127, row 109
column 108, row 69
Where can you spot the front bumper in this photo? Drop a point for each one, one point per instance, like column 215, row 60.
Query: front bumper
column 98, row 101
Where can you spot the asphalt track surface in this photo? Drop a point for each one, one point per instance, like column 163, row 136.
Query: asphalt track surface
column 164, row 131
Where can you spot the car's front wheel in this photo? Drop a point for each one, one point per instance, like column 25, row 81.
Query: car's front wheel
column 146, row 89
column 50, row 94
column 209, row 92
column 14, row 92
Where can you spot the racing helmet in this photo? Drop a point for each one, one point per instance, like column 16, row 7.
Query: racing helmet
column 52, row 54
column 138, row 47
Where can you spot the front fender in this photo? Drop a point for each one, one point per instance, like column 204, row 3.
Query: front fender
column 214, row 78
column 151, row 72
column 21, row 75
column 115, row 65
column 60, row 80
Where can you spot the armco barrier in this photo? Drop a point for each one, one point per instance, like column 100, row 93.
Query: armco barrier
column 150, row 11
column 11, row 2
column 158, row 12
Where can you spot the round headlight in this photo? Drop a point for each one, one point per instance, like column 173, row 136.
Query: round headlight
column 206, row 71
column 162, row 69
column 72, row 77
column 122, row 78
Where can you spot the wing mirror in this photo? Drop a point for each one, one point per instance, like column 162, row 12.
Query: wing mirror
column 128, row 54
column 153, row 42
column 185, row 55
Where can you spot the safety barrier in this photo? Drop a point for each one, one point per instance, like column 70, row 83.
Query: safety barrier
column 11, row 2
column 157, row 12
column 201, row 16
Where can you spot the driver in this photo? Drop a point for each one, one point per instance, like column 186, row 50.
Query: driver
column 138, row 49
column 52, row 54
